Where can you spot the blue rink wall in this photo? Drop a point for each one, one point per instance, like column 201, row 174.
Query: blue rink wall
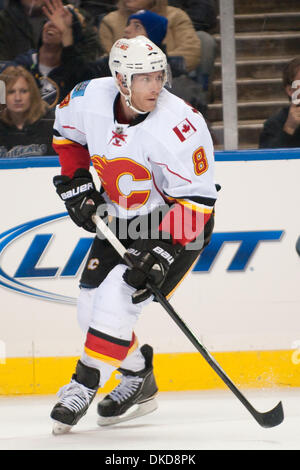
column 242, row 299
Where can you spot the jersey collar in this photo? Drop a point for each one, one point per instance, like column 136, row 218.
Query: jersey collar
column 119, row 118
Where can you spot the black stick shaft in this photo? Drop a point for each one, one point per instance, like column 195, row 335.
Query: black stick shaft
column 268, row 419
column 203, row 351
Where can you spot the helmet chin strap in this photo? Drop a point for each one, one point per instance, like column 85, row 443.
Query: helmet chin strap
column 129, row 104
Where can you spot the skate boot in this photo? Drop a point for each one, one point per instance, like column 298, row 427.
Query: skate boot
column 75, row 398
column 133, row 397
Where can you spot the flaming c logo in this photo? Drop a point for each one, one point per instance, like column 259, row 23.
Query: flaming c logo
column 110, row 172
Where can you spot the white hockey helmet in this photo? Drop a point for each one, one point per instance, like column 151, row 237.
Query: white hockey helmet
column 137, row 55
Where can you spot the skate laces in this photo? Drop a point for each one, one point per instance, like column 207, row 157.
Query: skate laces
column 126, row 387
column 75, row 396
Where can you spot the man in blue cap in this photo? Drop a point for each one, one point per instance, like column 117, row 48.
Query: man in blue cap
column 147, row 23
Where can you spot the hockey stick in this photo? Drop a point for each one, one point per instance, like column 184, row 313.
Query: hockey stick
column 298, row 246
column 267, row 419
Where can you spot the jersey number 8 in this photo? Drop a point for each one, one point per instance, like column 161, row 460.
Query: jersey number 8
column 200, row 161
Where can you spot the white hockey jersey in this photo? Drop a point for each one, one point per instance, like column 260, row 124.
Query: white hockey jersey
column 166, row 155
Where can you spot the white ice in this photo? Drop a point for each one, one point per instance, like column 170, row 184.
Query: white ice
column 201, row 420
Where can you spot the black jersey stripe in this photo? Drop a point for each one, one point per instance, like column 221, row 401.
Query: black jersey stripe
column 207, row 201
column 111, row 339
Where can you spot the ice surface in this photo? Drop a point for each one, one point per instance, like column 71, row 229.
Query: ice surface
column 202, row 420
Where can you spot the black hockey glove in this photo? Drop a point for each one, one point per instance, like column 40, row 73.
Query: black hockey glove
column 80, row 197
column 151, row 260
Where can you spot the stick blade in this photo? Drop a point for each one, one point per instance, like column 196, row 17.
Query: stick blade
column 271, row 418
column 298, row 246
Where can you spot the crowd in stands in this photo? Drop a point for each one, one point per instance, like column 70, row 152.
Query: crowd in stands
column 62, row 43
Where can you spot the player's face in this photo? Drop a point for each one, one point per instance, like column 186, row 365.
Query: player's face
column 18, row 97
column 145, row 90
column 133, row 29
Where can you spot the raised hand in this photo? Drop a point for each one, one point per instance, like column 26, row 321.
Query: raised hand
column 59, row 15
column 293, row 119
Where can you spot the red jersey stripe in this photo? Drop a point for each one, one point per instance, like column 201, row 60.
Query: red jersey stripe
column 71, row 157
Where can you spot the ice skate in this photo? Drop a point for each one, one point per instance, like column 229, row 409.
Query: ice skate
column 133, row 397
column 75, row 398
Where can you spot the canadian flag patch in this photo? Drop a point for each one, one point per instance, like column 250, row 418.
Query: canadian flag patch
column 184, row 130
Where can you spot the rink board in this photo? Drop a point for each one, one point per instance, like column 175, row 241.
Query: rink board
column 242, row 299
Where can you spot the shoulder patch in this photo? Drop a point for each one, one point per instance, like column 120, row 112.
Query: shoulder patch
column 79, row 89
column 65, row 101
column 184, row 130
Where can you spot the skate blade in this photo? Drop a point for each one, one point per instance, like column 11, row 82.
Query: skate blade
column 141, row 410
column 60, row 428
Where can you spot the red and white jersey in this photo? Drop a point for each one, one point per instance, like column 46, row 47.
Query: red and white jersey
column 167, row 155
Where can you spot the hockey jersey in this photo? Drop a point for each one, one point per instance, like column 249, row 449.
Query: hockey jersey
column 165, row 156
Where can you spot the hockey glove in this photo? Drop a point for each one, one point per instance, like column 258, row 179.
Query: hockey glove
column 151, row 260
column 80, row 197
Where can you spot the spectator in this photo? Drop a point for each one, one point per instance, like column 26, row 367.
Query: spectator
column 26, row 122
column 282, row 129
column 147, row 23
column 204, row 17
column 21, row 22
column 57, row 65
column 181, row 38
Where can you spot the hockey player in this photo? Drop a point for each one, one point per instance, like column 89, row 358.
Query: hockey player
column 154, row 155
